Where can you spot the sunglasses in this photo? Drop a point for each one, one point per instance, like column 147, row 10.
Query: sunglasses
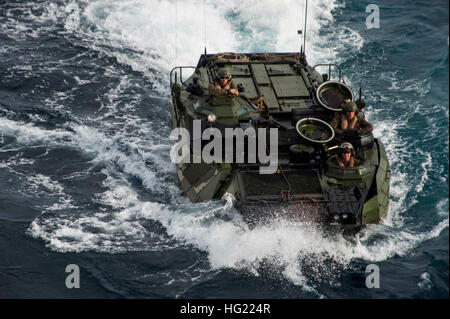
column 346, row 152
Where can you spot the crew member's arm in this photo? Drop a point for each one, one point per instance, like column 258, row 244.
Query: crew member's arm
column 335, row 124
column 216, row 90
column 212, row 89
column 352, row 123
column 233, row 89
column 352, row 161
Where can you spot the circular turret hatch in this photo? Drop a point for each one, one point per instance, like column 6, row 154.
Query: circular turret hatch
column 314, row 131
column 332, row 94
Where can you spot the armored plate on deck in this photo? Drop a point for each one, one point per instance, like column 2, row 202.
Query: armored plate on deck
column 289, row 86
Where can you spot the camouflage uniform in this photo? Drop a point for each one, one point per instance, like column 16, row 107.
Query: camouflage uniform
column 217, row 89
column 361, row 124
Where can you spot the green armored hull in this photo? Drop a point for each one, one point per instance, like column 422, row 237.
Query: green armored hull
column 281, row 92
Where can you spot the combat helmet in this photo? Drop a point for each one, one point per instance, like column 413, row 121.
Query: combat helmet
column 346, row 146
column 350, row 107
column 223, row 73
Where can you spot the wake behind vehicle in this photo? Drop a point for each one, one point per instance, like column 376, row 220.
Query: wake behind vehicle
column 279, row 91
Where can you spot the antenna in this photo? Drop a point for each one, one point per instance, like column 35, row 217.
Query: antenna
column 304, row 29
column 176, row 32
column 204, row 24
column 299, row 31
column 303, row 32
column 301, row 46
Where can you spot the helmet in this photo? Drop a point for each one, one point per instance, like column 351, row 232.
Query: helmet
column 224, row 74
column 350, row 107
column 346, row 146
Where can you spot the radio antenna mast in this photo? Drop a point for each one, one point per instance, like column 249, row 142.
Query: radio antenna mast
column 204, row 24
column 303, row 32
column 304, row 29
column 176, row 32
column 299, row 31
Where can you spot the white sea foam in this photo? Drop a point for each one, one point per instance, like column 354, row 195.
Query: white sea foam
column 164, row 34
column 425, row 281
column 286, row 246
column 39, row 180
column 73, row 16
column 28, row 24
column 117, row 196
column 442, row 207
column 425, row 166
column 150, row 29
column 15, row 160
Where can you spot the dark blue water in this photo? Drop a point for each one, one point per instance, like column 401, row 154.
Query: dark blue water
column 85, row 170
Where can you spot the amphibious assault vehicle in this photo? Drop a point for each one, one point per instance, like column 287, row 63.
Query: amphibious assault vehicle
column 277, row 91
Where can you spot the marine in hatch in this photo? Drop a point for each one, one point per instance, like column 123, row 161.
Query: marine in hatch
column 346, row 157
column 349, row 120
column 224, row 85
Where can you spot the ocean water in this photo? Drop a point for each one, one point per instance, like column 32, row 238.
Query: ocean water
column 85, row 171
